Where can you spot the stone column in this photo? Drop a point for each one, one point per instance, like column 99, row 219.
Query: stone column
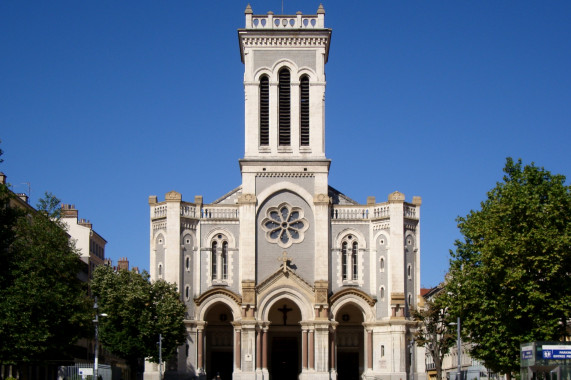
column 332, row 349
column 238, row 349
column 265, row 348
column 258, row 349
column 311, row 350
column 200, row 344
column 369, row 349
column 304, row 349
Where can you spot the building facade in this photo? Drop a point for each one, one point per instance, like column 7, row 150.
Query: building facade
column 90, row 244
column 285, row 277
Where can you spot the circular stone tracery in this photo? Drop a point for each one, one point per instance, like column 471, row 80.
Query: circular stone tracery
column 285, row 225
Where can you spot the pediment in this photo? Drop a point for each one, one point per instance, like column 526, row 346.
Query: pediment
column 284, row 278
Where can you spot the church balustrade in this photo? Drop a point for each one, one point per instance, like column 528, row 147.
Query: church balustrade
column 188, row 210
column 160, row 211
column 284, row 22
column 213, row 212
column 350, row 213
column 409, row 212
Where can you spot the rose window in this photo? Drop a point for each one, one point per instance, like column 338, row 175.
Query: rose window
column 285, row 225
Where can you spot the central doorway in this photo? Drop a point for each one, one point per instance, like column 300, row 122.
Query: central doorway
column 284, row 340
column 350, row 343
column 219, row 342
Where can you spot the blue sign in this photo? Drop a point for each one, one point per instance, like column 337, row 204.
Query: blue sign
column 556, row 352
column 527, row 353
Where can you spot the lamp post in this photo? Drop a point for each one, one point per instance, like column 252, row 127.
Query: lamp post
column 459, row 344
column 96, row 322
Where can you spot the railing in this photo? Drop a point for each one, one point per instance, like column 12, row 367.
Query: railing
column 160, row 211
column 409, row 212
column 213, row 212
column 369, row 213
column 188, row 211
column 272, row 21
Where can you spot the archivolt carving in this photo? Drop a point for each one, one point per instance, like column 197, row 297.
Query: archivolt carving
column 218, row 291
column 354, row 292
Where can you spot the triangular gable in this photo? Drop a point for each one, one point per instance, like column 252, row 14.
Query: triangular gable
column 230, row 197
column 280, row 274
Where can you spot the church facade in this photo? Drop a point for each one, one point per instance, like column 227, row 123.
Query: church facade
column 285, row 277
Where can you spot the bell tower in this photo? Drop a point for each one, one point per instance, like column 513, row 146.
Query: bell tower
column 284, row 81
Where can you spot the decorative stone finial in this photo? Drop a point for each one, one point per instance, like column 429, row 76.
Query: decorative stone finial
column 320, row 10
column 397, row 196
column 173, row 196
column 416, row 200
column 248, row 10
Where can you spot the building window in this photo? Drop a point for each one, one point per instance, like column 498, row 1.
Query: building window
column 284, row 109
column 285, row 225
column 224, row 260
column 187, row 263
column 354, row 260
column 409, row 271
column 349, row 259
column 214, row 261
column 409, row 300
column 344, row 260
column 382, row 264
column 219, row 259
column 264, row 111
column 382, row 292
column 382, row 351
column 160, row 270
column 187, row 292
column 304, row 110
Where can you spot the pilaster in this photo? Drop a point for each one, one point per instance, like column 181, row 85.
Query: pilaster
column 172, row 269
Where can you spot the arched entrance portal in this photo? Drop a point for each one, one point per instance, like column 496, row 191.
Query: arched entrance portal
column 284, row 340
column 219, row 342
column 350, row 333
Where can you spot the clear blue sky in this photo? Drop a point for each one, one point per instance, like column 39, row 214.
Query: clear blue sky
column 104, row 103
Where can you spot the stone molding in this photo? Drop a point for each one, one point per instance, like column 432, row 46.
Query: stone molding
column 247, row 199
column 321, row 199
column 355, row 292
column 288, row 41
column 218, row 291
column 396, row 197
column 285, row 175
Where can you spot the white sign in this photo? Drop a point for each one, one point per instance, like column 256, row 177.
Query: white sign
column 86, row 371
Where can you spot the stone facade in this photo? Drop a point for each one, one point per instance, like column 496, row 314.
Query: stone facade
column 285, row 277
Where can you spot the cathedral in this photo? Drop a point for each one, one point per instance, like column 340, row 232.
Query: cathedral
column 286, row 277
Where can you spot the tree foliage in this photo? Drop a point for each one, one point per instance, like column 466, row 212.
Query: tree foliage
column 137, row 312
column 510, row 276
column 435, row 333
column 43, row 304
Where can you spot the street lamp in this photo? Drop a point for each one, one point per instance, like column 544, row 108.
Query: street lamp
column 459, row 343
column 96, row 322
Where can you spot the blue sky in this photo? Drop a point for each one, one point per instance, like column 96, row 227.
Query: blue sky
column 104, row 103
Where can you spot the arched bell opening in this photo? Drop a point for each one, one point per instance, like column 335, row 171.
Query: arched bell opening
column 350, row 342
column 284, row 340
column 219, row 341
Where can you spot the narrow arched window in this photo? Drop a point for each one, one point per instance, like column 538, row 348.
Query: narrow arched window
column 382, row 264
column 224, row 260
column 344, row 260
column 409, row 271
column 304, row 110
column 214, row 268
column 354, row 260
column 264, row 110
column 284, row 109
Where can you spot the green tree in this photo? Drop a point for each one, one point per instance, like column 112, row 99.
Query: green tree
column 43, row 304
column 509, row 277
column 434, row 333
column 137, row 312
